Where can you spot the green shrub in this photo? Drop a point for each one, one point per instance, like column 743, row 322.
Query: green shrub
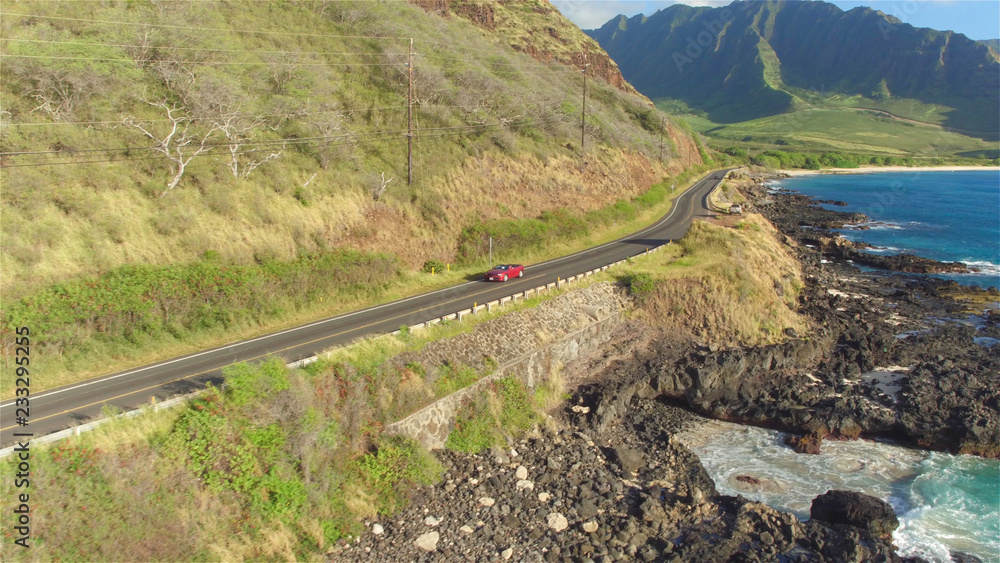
column 475, row 429
column 395, row 464
column 517, row 413
column 505, row 410
column 433, row 266
column 451, row 378
column 131, row 302
column 640, row 285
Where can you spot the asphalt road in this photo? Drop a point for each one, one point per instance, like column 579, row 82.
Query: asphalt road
column 67, row 406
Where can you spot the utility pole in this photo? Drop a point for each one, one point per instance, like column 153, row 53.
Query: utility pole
column 583, row 114
column 491, row 253
column 663, row 129
column 409, row 119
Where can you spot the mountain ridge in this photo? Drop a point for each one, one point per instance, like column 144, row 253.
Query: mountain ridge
column 784, row 55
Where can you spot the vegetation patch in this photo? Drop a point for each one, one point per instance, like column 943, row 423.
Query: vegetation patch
column 277, row 464
column 505, row 410
column 130, row 306
column 517, row 237
column 722, row 285
column 846, row 131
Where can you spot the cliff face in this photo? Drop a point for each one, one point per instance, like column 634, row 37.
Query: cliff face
column 536, row 28
column 754, row 59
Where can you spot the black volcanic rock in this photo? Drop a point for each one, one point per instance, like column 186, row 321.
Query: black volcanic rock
column 855, row 509
column 668, row 510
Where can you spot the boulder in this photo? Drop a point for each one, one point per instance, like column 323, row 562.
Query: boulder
column 808, row 444
column 629, row 459
column 556, row 522
column 428, row 541
column 855, row 509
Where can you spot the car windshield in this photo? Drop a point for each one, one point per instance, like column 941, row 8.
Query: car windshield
column 504, row 267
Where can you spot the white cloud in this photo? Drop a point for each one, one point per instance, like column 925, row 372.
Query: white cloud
column 591, row 14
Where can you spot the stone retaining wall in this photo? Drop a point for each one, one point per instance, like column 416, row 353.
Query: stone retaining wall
column 529, row 344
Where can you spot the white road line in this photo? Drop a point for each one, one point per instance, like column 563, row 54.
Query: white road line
column 344, row 316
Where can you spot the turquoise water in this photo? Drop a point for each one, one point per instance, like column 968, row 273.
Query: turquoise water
column 945, row 503
column 947, row 216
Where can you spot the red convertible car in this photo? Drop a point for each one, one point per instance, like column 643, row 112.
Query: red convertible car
column 504, row 271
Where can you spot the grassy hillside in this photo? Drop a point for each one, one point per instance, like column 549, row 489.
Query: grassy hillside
column 301, row 109
column 340, row 117
column 723, row 284
column 280, row 465
column 847, row 130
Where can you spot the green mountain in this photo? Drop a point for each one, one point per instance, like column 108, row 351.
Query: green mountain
column 751, row 60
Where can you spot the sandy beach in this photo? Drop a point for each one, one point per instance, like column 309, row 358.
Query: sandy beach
column 875, row 169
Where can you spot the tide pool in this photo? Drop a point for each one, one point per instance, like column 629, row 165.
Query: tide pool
column 945, row 503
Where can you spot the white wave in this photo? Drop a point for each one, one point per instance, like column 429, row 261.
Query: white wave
column 983, row 267
column 913, row 539
column 937, row 514
column 884, row 250
column 882, row 226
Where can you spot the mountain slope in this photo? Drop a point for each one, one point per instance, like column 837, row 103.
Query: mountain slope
column 755, row 59
column 178, row 175
column 311, row 98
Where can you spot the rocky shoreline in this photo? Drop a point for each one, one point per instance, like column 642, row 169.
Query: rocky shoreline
column 608, row 482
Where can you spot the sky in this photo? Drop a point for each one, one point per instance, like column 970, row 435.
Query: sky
column 978, row 19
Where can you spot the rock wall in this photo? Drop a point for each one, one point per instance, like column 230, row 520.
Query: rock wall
column 529, row 344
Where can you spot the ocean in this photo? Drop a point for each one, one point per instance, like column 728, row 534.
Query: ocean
column 947, row 216
column 944, row 503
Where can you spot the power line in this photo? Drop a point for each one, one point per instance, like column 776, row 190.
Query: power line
column 212, row 145
column 124, row 45
column 347, row 138
column 266, row 141
column 229, row 63
column 168, row 26
column 244, row 51
column 147, row 158
column 295, row 115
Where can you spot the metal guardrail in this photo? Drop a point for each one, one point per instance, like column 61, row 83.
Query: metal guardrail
column 715, row 189
column 526, row 293
column 77, row 430
column 157, row 406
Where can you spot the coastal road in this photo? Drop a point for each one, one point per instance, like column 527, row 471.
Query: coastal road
column 68, row 406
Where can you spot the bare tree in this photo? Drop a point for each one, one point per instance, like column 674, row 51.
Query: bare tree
column 58, row 91
column 5, row 120
column 239, row 129
column 175, row 76
column 179, row 145
column 327, row 123
column 144, row 50
column 280, row 72
column 379, row 185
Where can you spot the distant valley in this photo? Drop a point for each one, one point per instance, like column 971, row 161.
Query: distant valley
column 811, row 75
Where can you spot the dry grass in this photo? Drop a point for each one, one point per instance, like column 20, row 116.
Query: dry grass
column 64, row 369
column 726, row 285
